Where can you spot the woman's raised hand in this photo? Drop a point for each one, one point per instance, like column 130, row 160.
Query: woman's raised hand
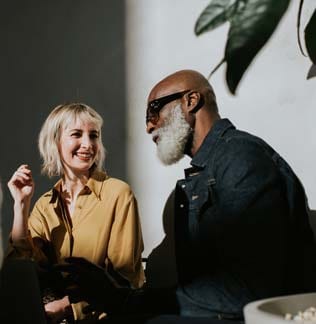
column 21, row 184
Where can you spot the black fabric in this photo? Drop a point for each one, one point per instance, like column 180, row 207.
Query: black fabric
column 173, row 319
column 168, row 319
column 20, row 295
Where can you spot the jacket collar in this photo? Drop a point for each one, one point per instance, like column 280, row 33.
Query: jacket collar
column 203, row 154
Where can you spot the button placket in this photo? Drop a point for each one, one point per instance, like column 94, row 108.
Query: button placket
column 79, row 207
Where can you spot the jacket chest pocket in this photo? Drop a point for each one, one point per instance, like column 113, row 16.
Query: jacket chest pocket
column 201, row 196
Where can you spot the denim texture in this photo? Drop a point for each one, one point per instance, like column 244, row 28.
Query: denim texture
column 241, row 227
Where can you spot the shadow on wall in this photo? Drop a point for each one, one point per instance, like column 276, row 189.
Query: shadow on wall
column 1, row 248
column 161, row 265
column 57, row 52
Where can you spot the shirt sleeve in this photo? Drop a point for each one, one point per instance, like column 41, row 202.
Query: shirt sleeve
column 32, row 245
column 126, row 242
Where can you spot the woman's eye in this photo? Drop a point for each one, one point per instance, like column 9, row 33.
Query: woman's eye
column 76, row 134
column 94, row 135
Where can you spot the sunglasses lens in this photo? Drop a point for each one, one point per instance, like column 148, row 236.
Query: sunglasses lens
column 152, row 117
column 153, row 112
column 156, row 105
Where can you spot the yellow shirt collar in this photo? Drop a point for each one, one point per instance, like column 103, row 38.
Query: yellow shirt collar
column 94, row 185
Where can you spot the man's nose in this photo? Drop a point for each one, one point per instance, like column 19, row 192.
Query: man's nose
column 150, row 127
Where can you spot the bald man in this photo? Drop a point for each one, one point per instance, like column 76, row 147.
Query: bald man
column 241, row 224
column 241, row 218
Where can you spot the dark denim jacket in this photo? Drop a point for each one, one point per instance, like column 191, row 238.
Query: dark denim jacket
column 241, row 226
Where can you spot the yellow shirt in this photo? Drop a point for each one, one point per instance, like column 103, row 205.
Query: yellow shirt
column 104, row 227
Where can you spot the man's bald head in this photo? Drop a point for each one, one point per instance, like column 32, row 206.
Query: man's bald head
column 185, row 80
column 181, row 110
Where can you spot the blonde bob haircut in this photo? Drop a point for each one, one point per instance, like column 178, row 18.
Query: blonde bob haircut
column 50, row 133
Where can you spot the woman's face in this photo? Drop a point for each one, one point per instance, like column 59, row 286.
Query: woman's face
column 78, row 146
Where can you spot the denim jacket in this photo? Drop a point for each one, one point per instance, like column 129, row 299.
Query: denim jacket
column 241, row 226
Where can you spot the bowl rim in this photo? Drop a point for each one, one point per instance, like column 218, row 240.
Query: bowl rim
column 253, row 308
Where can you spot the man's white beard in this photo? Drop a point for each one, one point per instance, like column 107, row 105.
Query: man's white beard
column 173, row 137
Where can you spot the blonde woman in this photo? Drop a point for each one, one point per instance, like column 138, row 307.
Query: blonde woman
column 86, row 214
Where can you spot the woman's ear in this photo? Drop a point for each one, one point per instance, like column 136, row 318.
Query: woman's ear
column 194, row 101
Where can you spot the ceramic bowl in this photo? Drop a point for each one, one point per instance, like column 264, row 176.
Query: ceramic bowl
column 273, row 310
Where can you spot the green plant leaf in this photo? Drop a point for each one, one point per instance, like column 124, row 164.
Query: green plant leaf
column 298, row 25
column 214, row 15
column 253, row 23
column 311, row 72
column 310, row 38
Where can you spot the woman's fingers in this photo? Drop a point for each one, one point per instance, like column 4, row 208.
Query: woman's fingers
column 21, row 178
column 22, row 175
column 25, row 169
column 23, row 172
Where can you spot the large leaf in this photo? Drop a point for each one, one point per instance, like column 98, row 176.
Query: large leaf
column 310, row 38
column 311, row 72
column 214, row 15
column 298, row 25
column 252, row 25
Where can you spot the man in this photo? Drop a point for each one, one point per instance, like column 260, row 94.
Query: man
column 241, row 219
column 241, row 222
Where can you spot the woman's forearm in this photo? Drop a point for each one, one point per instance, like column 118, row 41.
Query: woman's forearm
column 20, row 221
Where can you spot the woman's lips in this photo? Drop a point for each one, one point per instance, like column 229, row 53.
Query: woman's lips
column 84, row 155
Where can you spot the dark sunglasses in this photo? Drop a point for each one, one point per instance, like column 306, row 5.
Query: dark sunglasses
column 154, row 107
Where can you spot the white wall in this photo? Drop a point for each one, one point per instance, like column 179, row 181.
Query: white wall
column 274, row 100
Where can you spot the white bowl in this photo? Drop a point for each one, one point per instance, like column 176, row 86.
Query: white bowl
column 273, row 310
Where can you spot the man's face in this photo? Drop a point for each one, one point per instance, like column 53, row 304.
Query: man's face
column 172, row 136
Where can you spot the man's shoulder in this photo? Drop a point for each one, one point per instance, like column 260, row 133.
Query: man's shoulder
column 238, row 148
column 241, row 135
column 238, row 139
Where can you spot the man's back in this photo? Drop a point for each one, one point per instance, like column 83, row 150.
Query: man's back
column 241, row 223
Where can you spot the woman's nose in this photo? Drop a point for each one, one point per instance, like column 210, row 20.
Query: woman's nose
column 86, row 141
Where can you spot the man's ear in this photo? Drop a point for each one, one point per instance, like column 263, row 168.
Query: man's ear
column 194, row 101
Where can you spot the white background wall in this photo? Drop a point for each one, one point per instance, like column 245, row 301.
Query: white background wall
column 274, row 99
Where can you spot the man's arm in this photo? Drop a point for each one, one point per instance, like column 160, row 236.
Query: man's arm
column 103, row 293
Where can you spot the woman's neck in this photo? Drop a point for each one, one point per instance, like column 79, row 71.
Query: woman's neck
column 73, row 184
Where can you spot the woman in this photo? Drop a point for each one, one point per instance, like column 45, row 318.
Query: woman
column 86, row 214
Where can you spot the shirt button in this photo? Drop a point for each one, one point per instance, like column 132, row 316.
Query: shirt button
column 183, row 186
column 181, row 206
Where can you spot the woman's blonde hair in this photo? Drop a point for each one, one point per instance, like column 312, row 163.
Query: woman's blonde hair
column 50, row 133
